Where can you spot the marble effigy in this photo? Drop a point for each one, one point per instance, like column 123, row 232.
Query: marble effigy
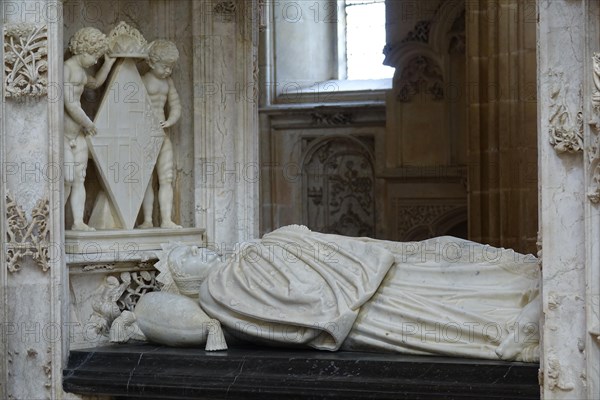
column 295, row 287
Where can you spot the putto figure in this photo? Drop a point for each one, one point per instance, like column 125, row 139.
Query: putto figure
column 86, row 46
column 162, row 57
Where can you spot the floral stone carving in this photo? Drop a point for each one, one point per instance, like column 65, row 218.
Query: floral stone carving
column 421, row 75
column 593, row 148
column 27, row 238
column 566, row 132
column 25, row 60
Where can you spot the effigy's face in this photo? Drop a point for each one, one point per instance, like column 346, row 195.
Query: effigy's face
column 194, row 261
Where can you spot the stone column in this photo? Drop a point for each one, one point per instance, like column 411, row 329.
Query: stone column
column 226, row 115
column 501, row 86
column 33, row 278
column 564, row 209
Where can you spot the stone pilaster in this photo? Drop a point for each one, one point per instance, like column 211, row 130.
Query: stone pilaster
column 33, row 277
column 226, row 77
column 562, row 207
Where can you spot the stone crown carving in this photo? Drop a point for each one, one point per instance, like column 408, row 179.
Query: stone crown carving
column 126, row 41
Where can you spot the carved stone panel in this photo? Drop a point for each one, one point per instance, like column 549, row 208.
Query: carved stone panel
column 338, row 187
column 25, row 60
column 418, row 219
column 593, row 145
column 566, row 129
column 421, row 75
column 128, row 141
column 27, row 237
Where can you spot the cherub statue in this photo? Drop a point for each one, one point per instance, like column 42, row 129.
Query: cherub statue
column 162, row 57
column 87, row 45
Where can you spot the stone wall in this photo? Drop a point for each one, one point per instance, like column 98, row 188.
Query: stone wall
column 501, row 92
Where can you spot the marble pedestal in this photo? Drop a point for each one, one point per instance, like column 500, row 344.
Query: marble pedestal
column 129, row 241
column 152, row 372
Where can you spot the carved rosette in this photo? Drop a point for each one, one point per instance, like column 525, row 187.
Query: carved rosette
column 421, row 75
column 25, row 60
column 27, row 238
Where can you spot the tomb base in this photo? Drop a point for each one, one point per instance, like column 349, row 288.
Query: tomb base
column 153, row 372
column 127, row 243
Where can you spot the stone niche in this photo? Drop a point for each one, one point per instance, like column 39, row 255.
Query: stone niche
column 154, row 20
column 110, row 268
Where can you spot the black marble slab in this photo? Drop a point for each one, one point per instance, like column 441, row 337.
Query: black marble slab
column 153, row 372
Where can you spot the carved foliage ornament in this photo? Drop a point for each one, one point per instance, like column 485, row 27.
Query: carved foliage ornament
column 25, row 60
column 225, row 10
column 420, row 33
column 262, row 15
column 566, row 132
column 117, row 294
column 593, row 147
column 412, row 216
column 338, row 118
column 27, row 238
column 421, row 75
column 339, row 187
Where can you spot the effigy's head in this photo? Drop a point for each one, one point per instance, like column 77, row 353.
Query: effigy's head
column 90, row 41
column 190, row 266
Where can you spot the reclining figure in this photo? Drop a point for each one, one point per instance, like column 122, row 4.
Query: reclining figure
column 298, row 288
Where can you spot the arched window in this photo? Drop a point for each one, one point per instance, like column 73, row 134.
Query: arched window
column 322, row 51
